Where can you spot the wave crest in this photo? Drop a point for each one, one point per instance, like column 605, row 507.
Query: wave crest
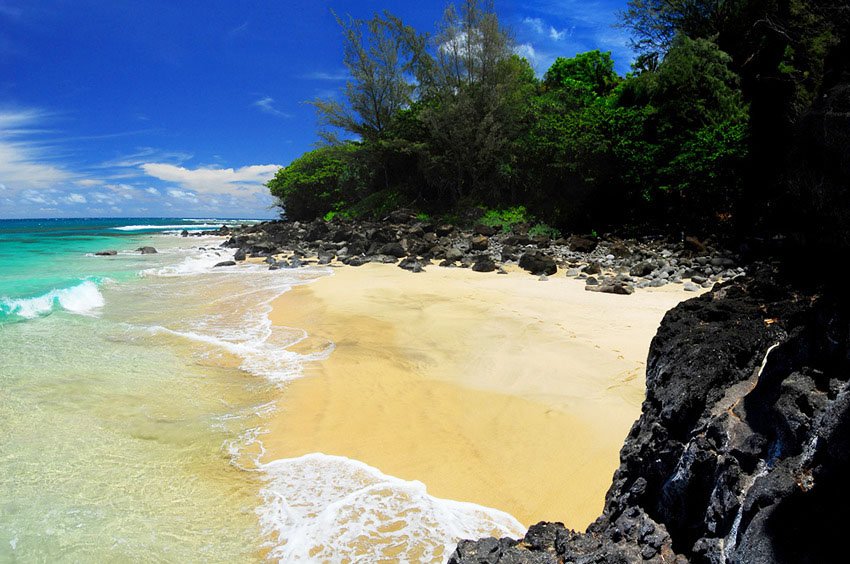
column 83, row 299
column 326, row 508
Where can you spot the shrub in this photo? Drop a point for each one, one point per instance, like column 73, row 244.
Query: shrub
column 319, row 182
column 506, row 219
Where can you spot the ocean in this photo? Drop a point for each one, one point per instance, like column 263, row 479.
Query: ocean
column 133, row 394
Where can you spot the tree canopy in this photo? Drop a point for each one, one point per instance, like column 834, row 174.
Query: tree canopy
column 456, row 119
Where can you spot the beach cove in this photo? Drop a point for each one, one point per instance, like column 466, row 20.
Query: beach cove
column 484, row 387
column 321, row 413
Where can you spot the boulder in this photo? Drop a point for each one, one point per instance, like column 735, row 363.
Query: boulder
column 582, row 244
column 412, row 265
column 184, row 233
column 486, row 230
column 592, row 268
column 225, row 263
column 479, row 243
column 393, row 250
column 444, row 230
column 109, row 253
column 694, row 245
column 454, row 254
column 147, row 250
column 356, row 260
column 612, row 287
column 484, row 264
column 644, row 268
column 240, row 255
column 537, row 263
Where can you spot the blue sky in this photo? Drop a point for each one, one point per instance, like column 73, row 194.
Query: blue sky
column 184, row 108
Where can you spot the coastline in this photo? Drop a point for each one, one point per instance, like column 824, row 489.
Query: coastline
column 480, row 386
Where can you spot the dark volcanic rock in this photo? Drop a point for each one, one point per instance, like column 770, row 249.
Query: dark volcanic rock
column 644, row 268
column 444, row 230
column 583, row 244
column 225, row 263
column 742, row 451
column 537, row 263
column 614, row 287
column 393, row 250
column 147, row 250
column 695, row 245
column 592, row 268
column 356, row 260
column 484, row 264
column 412, row 265
column 479, row 243
column 485, row 230
column 240, row 255
column 109, row 253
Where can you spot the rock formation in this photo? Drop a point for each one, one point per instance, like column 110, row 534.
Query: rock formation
column 742, row 450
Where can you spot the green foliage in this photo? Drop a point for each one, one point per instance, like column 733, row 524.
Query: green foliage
column 377, row 205
column 379, row 55
column 506, row 219
column 461, row 119
column 591, row 72
column 543, row 230
column 319, row 182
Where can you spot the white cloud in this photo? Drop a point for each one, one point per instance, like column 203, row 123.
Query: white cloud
column 24, row 163
column 183, row 195
column 338, row 75
column 152, row 191
column 145, row 155
column 536, row 24
column 75, row 198
column 248, row 179
column 541, row 28
column 556, row 35
column 528, row 51
column 88, row 182
column 37, row 197
column 267, row 105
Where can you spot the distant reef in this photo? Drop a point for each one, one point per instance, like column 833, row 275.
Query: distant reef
column 742, row 451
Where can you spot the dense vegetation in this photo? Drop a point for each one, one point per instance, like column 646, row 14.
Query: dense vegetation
column 456, row 121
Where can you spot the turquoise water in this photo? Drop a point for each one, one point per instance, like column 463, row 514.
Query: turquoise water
column 135, row 391
column 41, row 256
column 121, row 436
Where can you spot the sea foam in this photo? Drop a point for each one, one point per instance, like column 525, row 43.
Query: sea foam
column 84, row 299
column 160, row 227
column 198, row 262
column 326, row 508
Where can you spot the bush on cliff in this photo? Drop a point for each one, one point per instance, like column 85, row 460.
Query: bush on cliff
column 321, row 181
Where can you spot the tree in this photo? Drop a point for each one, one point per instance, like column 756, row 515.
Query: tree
column 326, row 179
column 379, row 54
column 472, row 84
column 592, row 71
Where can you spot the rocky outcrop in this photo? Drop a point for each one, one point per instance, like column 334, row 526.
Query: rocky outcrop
column 621, row 265
column 742, row 451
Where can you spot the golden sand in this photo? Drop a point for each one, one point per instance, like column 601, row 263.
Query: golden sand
column 499, row 390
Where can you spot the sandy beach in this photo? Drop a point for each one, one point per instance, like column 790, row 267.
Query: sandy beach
column 500, row 390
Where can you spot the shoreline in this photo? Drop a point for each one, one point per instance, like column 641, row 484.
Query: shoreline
column 459, row 380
